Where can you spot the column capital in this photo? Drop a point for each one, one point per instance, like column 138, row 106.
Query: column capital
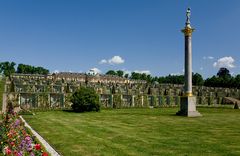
column 188, row 94
column 188, row 31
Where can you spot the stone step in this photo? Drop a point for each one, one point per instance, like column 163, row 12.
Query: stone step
column 234, row 101
column 231, row 99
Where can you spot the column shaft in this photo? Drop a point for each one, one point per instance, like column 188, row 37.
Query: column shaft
column 188, row 65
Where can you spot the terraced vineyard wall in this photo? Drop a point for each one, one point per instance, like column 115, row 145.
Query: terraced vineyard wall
column 44, row 93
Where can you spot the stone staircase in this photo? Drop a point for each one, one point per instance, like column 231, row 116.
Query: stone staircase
column 230, row 100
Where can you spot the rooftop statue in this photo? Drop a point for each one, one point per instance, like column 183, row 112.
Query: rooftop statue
column 188, row 14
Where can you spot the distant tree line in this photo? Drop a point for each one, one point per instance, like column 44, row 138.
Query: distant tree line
column 8, row 68
column 222, row 79
column 119, row 73
column 28, row 69
column 172, row 79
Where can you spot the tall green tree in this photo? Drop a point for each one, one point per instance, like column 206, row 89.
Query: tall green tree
column 237, row 81
column 126, row 76
column 172, row 79
column 224, row 73
column 28, row 69
column 120, row 73
column 7, row 68
column 135, row 76
column 197, row 79
column 141, row 76
column 111, row 72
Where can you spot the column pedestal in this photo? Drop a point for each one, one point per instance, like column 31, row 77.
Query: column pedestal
column 188, row 107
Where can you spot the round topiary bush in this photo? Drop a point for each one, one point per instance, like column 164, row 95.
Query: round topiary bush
column 85, row 100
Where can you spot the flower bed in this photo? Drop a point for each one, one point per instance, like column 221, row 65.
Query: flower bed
column 15, row 138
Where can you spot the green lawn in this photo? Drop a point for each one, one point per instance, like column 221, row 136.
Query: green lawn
column 140, row 132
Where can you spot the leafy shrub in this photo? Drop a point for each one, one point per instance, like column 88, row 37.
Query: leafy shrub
column 85, row 99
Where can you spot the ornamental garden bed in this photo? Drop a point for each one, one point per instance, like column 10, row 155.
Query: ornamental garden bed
column 16, row 139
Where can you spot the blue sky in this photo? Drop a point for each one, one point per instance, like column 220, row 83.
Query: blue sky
column 130, row 35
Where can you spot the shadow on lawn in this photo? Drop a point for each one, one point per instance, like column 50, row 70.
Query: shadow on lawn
column 72, row 111
column 68, row 110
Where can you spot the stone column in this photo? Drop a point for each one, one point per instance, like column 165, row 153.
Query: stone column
column 132, row 101
column 111, row 100
column 49, row 100
column 63, row 100
column 19, row 99
column 4, row 103
column 188, row 101
column 188, row 65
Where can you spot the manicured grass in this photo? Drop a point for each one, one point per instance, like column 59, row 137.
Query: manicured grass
column 140, row 132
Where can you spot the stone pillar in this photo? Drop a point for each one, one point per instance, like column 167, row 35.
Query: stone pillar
column 111, row 100
column 37, row 100
column 62, row 100
column 188, row 65
column 133, row 98
column 19, row 99
column 62, row 89
column 4, row 103
column 188, row 101
column 49, row 100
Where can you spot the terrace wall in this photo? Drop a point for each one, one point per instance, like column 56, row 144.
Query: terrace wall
column 48, row 92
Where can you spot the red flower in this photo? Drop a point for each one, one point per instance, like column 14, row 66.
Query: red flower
column 37, row 146
column 15, row 153
column 44, row 154
column 8, row 151
column 12, row 143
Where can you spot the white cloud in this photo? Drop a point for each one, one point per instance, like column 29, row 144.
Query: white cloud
column 94, row 71
column 103, row 61
column 127, row 72
column 56, row 71
column 116, row 60
column 143, row 71
column 227, row 62
column 175, row 74
column 208, row 57
column 113, row 61
column 201, row 68
column 183, row 70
